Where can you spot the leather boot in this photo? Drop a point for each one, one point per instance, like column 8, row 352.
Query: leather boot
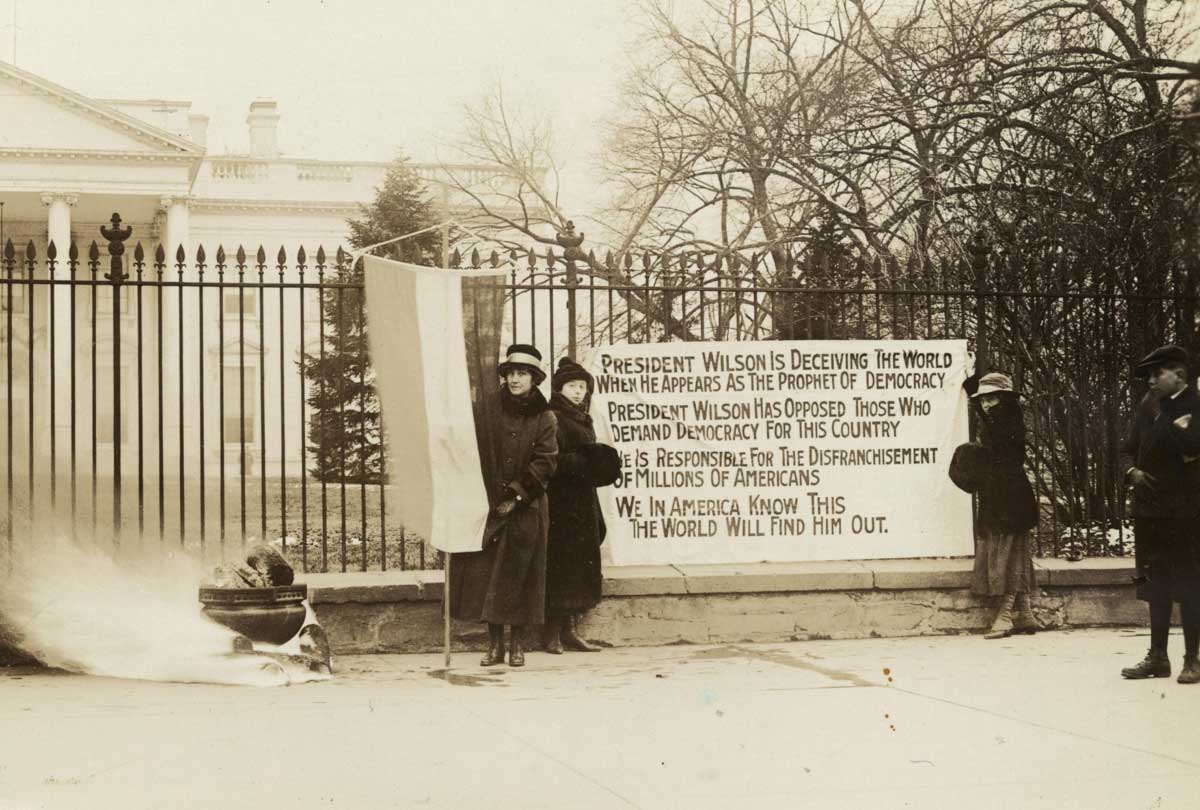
column 1002, row 625
column 1191, row 670
column 1154, row 665
column 495, row 651
column 1024, row 621
column 571, row 638
column 552, row 637
column 516, row 646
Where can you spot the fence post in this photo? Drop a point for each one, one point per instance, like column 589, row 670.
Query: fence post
column 980, row 249
column 571, row 241
column 116, row 236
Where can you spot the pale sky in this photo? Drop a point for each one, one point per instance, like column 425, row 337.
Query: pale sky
column 355, row 79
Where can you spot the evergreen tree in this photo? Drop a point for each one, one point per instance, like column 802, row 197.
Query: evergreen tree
column 345, row 432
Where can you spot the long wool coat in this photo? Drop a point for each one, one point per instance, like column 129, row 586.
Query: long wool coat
column 573, row 578
column 1006, row 501
column 1156, row 445
column 505, row 583
column 1166, row 542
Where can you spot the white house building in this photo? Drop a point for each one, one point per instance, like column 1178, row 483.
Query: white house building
column 67, row 163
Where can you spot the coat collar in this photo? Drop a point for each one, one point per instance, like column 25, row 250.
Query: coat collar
column 531, row 405
column 563, row 406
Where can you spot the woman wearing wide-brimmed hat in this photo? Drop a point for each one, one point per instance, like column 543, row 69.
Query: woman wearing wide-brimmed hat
column 505, row 583
column 1007, row 508
column 577, row 529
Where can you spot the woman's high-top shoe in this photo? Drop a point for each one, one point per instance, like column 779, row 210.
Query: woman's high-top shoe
column 571, row 638
column 1024, row 621
column 1002, row 626
column 552, row 637
column 495, row 651
column 516, row 646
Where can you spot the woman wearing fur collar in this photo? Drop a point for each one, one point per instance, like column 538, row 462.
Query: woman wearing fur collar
column 505, row 583
column 577, row 529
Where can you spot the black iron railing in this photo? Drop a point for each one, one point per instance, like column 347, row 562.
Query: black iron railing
column 115, row 388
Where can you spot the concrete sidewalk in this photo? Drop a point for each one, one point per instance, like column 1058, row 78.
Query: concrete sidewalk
column 960, row 722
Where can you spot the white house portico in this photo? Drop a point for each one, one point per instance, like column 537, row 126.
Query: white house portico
column 67, row 163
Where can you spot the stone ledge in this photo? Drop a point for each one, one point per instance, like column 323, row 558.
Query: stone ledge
column 775, row 577
column 1109, row 571
column 921, row 574
column 366, row 587
column 375, row 587
column 643, row 580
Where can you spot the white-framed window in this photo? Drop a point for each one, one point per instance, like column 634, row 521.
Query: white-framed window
column 19, row 292
column 244, row 412
column 245, row 299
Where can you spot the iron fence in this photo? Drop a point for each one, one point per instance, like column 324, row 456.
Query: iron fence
column 213, row 405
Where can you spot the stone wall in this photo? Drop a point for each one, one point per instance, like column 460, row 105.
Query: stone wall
column 401, row 611
column 768, row 602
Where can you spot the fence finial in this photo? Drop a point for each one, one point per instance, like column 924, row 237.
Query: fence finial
column 116, row 236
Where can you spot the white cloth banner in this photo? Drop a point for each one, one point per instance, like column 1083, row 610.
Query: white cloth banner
column 415, row 323
column 783, row 450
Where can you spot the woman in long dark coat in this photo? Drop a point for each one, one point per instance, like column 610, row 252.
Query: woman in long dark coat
column 505, row 583
column 573, row 577
column 1007, row 508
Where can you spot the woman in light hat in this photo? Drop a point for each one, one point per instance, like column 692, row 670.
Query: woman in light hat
column 505, row 583
column 1007, row 508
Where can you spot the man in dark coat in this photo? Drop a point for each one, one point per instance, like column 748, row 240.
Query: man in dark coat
column 1159, row 459
column 573, row 578
column 505, row 583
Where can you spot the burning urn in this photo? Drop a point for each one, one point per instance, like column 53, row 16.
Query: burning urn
column 258, row 600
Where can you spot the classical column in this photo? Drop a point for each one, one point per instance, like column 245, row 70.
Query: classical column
column 58, row 223
column 176, row 231
column 58, row 231
column 177, row 364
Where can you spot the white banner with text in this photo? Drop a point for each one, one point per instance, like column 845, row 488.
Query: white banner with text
column 783, row 450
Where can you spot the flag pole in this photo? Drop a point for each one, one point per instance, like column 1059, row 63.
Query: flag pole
column 446, row 608
column 447, row 555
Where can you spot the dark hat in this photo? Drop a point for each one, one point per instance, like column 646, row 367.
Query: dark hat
column 523, row 355
column 569, row 371
column 1162, row 356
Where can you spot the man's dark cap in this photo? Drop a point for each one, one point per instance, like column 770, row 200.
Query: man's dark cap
column 1162, row 356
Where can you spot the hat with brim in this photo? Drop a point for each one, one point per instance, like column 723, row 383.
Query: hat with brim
column 994, row 383
column 1162, row 356
column 523, row 356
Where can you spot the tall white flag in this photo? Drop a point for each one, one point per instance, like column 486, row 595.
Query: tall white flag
column 415, row 322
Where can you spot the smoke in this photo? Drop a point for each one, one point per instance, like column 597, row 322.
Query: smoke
column 126, row 615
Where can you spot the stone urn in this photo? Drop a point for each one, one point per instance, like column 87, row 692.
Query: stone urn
column 271, row 615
